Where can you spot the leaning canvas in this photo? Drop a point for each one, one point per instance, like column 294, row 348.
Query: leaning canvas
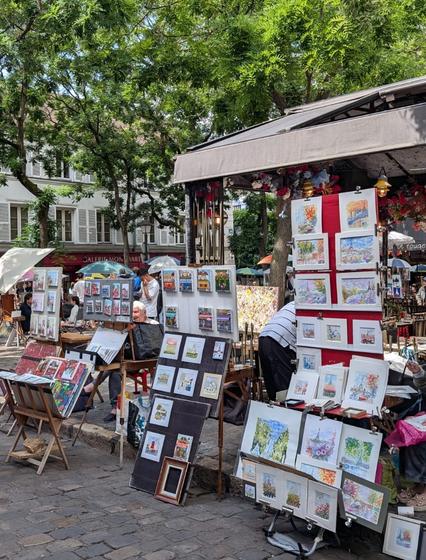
column 359, row 451
column 366, row 385
column 358, row 210
column 327, row 474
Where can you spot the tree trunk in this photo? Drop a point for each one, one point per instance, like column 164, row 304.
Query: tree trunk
column 263, row 225
column 126, row 248
column 281, row 249
column 43, row 220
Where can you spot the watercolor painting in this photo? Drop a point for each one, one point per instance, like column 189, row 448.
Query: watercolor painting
column 322, row 505
column 96, row 288
column 222, row 280
column 306, row 216
column 185, row 281
column 367, row 336
column 116, row 307
column 51, row 328
column 161, row 412
column 294, row 494
column 364, row 387
column 99, row 305
column 224, row 320
column 169, row 280
column 193, row 350
column 308, row 330
column 309, row 359
column 185, row 382
column 334, row 332
column 205, row 318
column 51, row 301
column 269, row 485
column 171, row 315
column 170, row 346
column 210, row 387
column 218, row 350
column 115, row 293
column 358, row 290
column 309, row 362
column 362, row 501
column 107, row 307
column 163, row 379
column 183, row 447
column 125, row 308
column 204, row 280
column 106, row 290
column 303, row 386
column 39, row 282
column 330, row 386
column 357, row 210
column 323, row 474
column 152, row 446
column 310, row 252
column 402, row 537
column 250, row 491
column 38, row 302
column 125, row 290
column 249, row 470
column 359, row 452
column 356, row 251
column 270, row 440
column 321, row 439
column 52, row 278
column 312, row 291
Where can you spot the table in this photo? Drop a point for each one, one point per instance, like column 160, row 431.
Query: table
column 75, row 338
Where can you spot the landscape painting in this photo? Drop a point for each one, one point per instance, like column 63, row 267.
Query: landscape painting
column 358, row 290
column 311, row 252
column 367, row 336
column 308, row 359
column 366, row 501
column 269, row 485
column 312, row 291
column 270, row 440
column 356, row 251
column 359, row 452
column 357, row 210
column 295, row 493
column 321, row 439
column 306, row 216
column 366, row 386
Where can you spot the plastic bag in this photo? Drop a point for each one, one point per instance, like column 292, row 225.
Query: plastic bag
column 139, row 410
column 406, row 433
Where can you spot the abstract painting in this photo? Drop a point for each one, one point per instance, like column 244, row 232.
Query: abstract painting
column 312, row 291
column 358, row 210
column 310, row 252
column 355, row 251
column 321, row 439
column 358, row 291
column 366, row 501
column 306, row 216
column 359, row 452
column 256, row 306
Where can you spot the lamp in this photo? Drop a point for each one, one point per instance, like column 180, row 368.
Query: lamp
column 145, row 226
column 382, row 184
column 308, row 189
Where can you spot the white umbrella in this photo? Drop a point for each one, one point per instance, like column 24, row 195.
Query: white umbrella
column 164, row 261
column 16, row 262
column 398, row 263
column 399, row 239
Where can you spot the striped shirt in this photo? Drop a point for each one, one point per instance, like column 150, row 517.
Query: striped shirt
column 282, row 327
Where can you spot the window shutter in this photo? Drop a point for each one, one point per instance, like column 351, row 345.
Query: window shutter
column 4, row 222
column 164, row 233
column 118, row 237
column 92, row 226
column 52, row 213
column 82, row 226
column 139, row 236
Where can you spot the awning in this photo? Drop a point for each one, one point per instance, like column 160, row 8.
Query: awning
column 16, row 262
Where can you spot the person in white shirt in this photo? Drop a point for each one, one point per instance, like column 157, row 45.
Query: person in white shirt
column 72, row 319
column 150, row 289
column 78, row 289
column 421, row 294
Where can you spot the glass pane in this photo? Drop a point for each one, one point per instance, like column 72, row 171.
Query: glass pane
column 59, row 224
column 107, row 231
column 24, row 217
column 13, row 222
column 68, row 231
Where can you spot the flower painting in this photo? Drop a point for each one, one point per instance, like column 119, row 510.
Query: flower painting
column 362, row 501
column 270, row 440
column 321, row 439
column 322, row 505
column 320, row 473
column 365, row 387
column 312, row 290
column 311, row 252
column 306, row 216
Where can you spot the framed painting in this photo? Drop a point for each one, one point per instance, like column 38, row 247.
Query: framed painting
column 322, row 505
column 171, row 481
column 306, row 216
column 367, row 336
column 364, row 502
column 312, row 291
column 152, row 446
column 308, row 359
column 359, row 452
column 366, row 385
column 310, row 252
column 321, row 439
column 334, row 332
column 331, row 383
column 303, row 386
column 357, row 250
column 295, row 493
column 269, row 486
column 358, row 291
column 308, row 331
column 358, row 210
column 185, row 382
column 163, row 379
column 170, row 346
column 326, row 474
column 402, row 537
column 161, row 411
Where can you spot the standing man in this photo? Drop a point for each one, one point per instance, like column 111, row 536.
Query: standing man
column 277, row 349
column 137, row 281
column 421, row 294
column 26, row 312
column 78, row 289
column 150, row 289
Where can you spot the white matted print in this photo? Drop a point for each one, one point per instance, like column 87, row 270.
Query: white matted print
column 269, row 486
column 193, row 350
column 248, row 470
column 163, row 379
column 312, row 291
column 170, row 346
column 210, row 386
column 402, row 537
column 321, row 439
column 295, row 493
column 359, row 452
column 331, row 383
column 308, row 331
column 366, row 385
column 152, row 446
column 357, row 250
column 310, row 252
column 334, row 332
column 306, row 216
column 358, row 210
column 303, row 386
column 367, row 336
column 161, row 411
column 322, row 505
column 308, row 359
column 327, row 474
column 185, row 382
column 358, row 291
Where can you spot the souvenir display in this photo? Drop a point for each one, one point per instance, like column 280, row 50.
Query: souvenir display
column 366, row 385
column 108, row 300
column 303, row 386
column 45, row 308
column 306, row 216
column 256, row 306
column 312, row 291
column 367, row 336
column 357, row 250
column 205, row 318
column 359, row 452
column 402, row 537
column 310, row 252
column 322, row 505
column 358, row 210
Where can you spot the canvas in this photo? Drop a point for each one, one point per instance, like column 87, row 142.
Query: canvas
column 312, row 291
column 366, row 385
column 308, row 331
column 359, row 452
column 152, row 446
column 322, row 505
column 303, row 386
column 161, row 411
column 358, row 210
column 367, row 336
column 323, row 473
column 256, row 306
column 321, row 439
column 269, row 486
column 308, row 359
column 170, row 346
column 306, row 216
column 211, row 384
column 358, row 291
column 185, row 382
column 331, row 383
column 163, row 379
column 310, row 252
column 193, row 350
column 334, row 332
column 357, row 250
column 295, row 493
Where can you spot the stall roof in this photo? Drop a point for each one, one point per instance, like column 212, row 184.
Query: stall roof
column 364, row 122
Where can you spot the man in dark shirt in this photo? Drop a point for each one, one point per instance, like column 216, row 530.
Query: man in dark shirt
column 26, row 312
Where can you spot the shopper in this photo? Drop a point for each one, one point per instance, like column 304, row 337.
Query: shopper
column 421, row 294
column 150, row 289
column 72, row 319
column 78, row 289
column 25, row 308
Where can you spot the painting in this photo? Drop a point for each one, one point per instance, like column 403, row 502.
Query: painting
column 334, row 332
column 170, row 346
column 308, row 331
column 125, row 291
column 402, row 537
column 116, row 307
column 96, row 288
column 105, row 290
column 306, row 216
column 218, row 350
column 222, row 280
column 160, row 412
column 248, row 470
column 295, row 493
column 271, row 432
column 205, row 318
column 193, row 350
column 116, row 290
column 256, row 305
column 359, row 452
column 303, row 386
column 367, row 336
column 38, row 302
column 331, row 383
column 169, row 280
column 308, row 359
column 163, row 379
column 99, row 305
column 210, row 387
column 321, row 439
column 358, row 291
column 185, row 382
column 186, row 282
column 204, row 280
column 250, row 491
column 39, row 281
column 171, row 316
column 224, row 320
column 365, row 501
column 366, row 385
column 125, row 308
column 52, row 278
column 107, row 307
column 89, row 306
column 310, row 252
column 357, row 250
column 358, row 210
column 322, row 505
column 51, row 328
column 326, row 474
column 312, row 291
column 152, row 446
column 269, row 486
column 183, row 447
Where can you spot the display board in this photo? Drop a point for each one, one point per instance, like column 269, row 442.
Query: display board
column 256, row 305
column 33, row 353
column 201, row 300
column 108, row 300
column 46, row 305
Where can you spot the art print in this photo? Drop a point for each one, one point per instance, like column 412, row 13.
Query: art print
column 322, row 505
column 193, row 350
column 108, row 307
column 224, row 320
column 38, row 302
column 170, row 346
column 366, row 385
column 116, row 307
column 311, row 252
column 169, row 280
column 183, row 447
column 87, row 289
column 210, row 386
column 116, row 290
column 34, row 324
column 125, row 308
column 321, row 439
column 204, row 280
column 222, row 280
column 256, row 305
column 185, row 382
column 303, row 386
column 218, row 350
column 331, row 383
column 125, row 291
column 295, row 493
column 308, row 359
column 89, row 306
column 161, row 411
column 356, row 251
column 186, row 282
column 39, row 282
column 306, row 216
column 152, row 446
column 51, row 328
column 52, row 278
column 248, row 470
column 250, row 491
column 312, row 291
column 51, row 301
column 358, row 291
column 326, row 474
column 98, row 305
column 308, row 331
column 42, row 325
column 171, row 316
column 205, row 318
column 334, row 332
column 359, row 452
column 402, row 537
column 96, row 289
column 358, row 210
column 365, row 501
column 163, row 379
column 367, row 336
column 106, row 290
column 269, row 487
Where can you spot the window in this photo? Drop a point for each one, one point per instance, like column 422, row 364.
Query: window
column 64, row 224
column 151, row 234
column 36, row 168
column 103, row 228
column 180, row 232
column 18, row 220
column 66, row 170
